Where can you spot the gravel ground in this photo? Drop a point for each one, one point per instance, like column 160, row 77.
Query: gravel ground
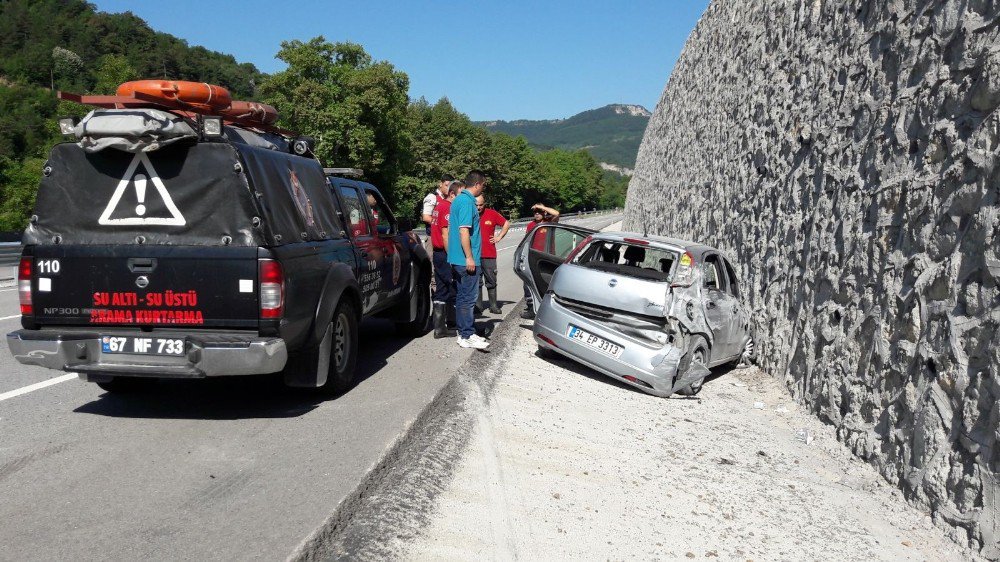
column 564, row 463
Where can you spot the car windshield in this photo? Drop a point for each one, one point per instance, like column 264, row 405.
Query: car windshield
column 633, row 260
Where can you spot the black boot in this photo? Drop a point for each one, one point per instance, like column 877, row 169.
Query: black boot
column 440, row 322
column 449, row 315
column 528, row 313
column 494, row 307
column 479, row 303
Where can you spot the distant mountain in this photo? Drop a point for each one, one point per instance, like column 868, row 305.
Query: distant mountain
column 611, row 133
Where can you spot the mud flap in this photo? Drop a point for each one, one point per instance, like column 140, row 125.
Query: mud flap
column 310, row 368
column 694, row 373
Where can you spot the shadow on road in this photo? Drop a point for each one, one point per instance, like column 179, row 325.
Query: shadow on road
column 229, row 398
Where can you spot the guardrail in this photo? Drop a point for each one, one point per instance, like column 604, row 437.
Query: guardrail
column 9, row 253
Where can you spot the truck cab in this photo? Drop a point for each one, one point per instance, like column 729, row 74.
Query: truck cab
column 206, row 256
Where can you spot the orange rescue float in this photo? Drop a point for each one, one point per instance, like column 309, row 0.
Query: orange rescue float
column 207, row 97
column 251, row 112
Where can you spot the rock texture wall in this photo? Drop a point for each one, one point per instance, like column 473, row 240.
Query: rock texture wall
column 845, row 153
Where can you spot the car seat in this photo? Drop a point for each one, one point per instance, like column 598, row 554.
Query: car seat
column 634, row 255
column 665, row 264
column 609, row 255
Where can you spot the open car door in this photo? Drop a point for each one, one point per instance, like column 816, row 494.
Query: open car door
column 543, row 250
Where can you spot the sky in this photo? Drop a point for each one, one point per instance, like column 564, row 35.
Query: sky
column 514, row 59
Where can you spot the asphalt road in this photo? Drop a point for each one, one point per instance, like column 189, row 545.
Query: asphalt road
column 235, row 468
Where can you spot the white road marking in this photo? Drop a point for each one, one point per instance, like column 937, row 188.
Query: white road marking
column 10, row 317
column 36, row 386
column 5, row 290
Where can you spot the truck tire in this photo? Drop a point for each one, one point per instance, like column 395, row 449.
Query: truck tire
column 699, row 354
column 418, row 326
column 343, row 349
column 122, row 385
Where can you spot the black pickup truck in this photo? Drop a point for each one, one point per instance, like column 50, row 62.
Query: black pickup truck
column 209, row 257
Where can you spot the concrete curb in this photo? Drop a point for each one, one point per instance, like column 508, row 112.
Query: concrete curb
column 441, row 415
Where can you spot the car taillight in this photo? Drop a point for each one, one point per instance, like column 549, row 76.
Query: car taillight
column 24, row 285
column 272, row 288
column 685, row 271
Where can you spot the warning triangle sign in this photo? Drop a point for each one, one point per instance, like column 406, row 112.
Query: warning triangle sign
column 138, row 183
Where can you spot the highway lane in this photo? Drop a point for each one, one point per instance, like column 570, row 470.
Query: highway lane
column 211, row 469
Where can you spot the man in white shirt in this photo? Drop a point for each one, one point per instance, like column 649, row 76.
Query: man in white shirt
column 427, row 210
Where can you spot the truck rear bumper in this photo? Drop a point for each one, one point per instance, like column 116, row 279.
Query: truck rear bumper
column 207, row 355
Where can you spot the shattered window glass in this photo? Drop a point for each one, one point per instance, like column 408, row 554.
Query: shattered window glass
column 644, row 262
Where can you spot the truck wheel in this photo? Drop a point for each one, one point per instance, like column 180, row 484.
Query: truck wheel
column 343, row 349
column 418, row 326
column 699, row 355
column 120, row 385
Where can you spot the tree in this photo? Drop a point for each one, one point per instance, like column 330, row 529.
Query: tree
column 111, row 71
column 355, row 108
column 570, row 180
column 66, row 66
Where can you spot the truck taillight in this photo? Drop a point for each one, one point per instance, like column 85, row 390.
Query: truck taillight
column 24, row 285
column 272, row 288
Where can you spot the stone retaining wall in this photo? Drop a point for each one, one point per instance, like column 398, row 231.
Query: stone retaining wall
column 845, row 154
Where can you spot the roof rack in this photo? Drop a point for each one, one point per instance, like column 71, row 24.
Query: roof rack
column 140, row 100
column 349, row 172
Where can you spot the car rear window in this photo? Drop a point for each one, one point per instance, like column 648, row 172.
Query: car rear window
column 633, row 260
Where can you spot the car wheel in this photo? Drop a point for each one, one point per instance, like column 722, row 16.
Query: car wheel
column 699, row 355
column 121, row 385
column 748, row 356
column 343, row 349
column 418, row 326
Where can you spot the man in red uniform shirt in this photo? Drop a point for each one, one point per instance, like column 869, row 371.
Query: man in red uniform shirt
column 489, row 220
column 444, row 288
column 540, row 214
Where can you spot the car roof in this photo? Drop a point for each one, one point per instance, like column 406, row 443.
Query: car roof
column 659, row 241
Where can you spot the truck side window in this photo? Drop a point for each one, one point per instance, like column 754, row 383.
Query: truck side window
column 357, row 213
column 385, row 223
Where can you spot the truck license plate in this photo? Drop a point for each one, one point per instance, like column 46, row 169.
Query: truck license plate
column 142, row 346
column 596, row 342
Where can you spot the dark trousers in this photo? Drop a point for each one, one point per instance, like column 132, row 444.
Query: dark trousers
column 527, row 296
column 489, row 276
column 444, row 289
column 465, row 301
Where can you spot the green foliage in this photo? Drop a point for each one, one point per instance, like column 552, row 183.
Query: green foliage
column 111, row 71
column 611, row 134
column 355, row 108
column 18, row 186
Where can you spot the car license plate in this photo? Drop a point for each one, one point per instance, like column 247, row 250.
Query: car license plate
column 598, row 343
column 142, row 346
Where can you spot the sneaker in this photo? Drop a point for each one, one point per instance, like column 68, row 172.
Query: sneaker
column 479, row 338
column 473, row 342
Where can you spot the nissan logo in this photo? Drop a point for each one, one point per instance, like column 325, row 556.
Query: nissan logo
column 142, row 281
column 612, row 282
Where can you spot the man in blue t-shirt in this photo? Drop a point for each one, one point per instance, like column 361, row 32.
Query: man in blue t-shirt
column 465, row 256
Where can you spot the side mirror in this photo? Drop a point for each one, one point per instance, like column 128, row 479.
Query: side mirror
column 405, row 225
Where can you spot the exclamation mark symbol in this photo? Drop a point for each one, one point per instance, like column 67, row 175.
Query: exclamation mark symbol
column 140, row 194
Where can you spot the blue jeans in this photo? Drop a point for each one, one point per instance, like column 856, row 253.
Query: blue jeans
column 444, row 285
column 465, row 301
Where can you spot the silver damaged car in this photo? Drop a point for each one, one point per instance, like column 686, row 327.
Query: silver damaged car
column 655, row 313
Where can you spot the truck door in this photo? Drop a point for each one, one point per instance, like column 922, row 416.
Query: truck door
column 394, row 271
column 362, row 228
column 543, row 250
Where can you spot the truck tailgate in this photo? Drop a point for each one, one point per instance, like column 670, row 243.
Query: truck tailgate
column 154, row 286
